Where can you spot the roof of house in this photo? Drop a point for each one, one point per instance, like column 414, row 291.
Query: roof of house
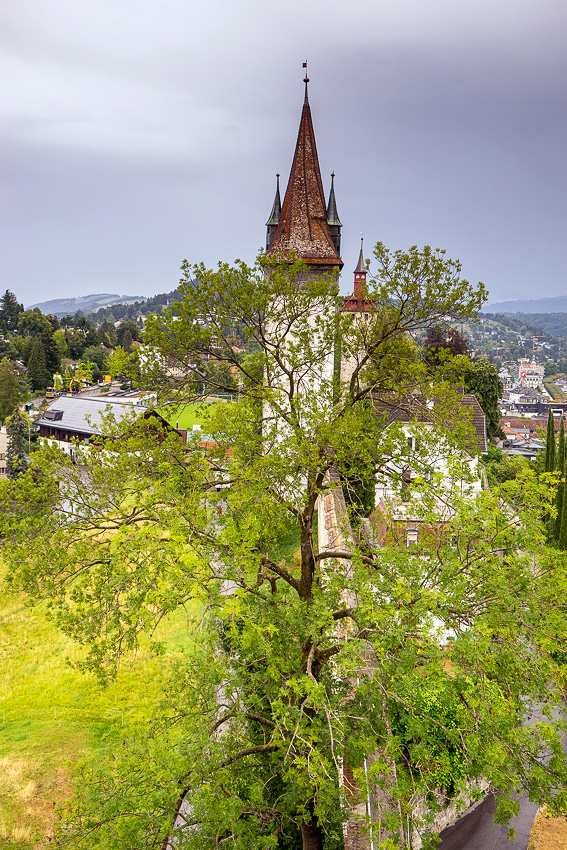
column 85, row 415
column 418, row 409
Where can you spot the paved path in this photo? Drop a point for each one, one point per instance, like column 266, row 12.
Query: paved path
column 477, row 830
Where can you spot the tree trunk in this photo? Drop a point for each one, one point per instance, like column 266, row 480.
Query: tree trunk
column 312, row 835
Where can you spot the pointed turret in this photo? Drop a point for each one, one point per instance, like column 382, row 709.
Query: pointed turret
column 360, row 273
column 303, row 227
column 273, row 221
column 358, row 301
column 333, row 219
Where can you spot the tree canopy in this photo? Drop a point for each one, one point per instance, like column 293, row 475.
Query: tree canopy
column 350, row 669
column 10, row 389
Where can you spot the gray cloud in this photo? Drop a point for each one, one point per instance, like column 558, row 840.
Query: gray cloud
column 135, row 134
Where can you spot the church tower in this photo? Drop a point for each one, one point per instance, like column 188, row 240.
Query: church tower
column 304, row 224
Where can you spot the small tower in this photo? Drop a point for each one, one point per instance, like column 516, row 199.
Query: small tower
column 333, row 219
column 274, row 219
column 358, row 301
column 360, row 273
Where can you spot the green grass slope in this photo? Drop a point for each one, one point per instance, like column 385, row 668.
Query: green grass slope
column 52, row 716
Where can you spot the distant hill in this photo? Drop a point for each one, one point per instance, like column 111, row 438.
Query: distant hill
column 533, row 306
column 84, row 303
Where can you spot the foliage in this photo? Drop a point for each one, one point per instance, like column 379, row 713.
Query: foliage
column 84, row 372
column 502, row 467
column 37, row 369
column 10, row 311
column 18, row 437
column 10, row 390
column 33, row 323
column 447, row 353
column 330, row 656
column 481, row 379
column 556, row 533
column 550, row 444
column 443, row 342
column 127, row 327
column 54, row 715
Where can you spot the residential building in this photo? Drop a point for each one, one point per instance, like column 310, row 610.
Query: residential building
column 72, row 421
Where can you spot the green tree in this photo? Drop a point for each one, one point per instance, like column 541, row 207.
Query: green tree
column 550, row 444
column 10, row 390
column 33, row 323
column 130, row 327
column 323, row 656
column 119, row 365
column 16, row 457
column 482, row 381
column 562, row 532
column 60, row 341
column 10, row 310
column 38, row 375
column 549, row 368
column 7, row 349
column 445, row 354
column 561, row 483
column 126, row 340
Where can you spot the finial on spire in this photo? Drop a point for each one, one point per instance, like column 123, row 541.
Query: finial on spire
column 306, row 80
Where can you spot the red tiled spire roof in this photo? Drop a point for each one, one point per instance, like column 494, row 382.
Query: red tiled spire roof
column 303, row 226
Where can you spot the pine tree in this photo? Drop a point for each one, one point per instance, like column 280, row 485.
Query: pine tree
column 16, row 459
column 550, row 444
column 10, row 310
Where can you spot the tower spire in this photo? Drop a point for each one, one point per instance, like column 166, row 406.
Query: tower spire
column 302, row 227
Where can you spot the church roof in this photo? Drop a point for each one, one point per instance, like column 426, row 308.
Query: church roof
column 303, row 226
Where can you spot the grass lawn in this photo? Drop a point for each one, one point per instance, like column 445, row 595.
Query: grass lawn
column 188, row 415
column 52, row 716
column 555, row 392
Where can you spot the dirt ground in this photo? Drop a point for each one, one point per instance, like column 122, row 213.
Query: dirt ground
column 548, row 833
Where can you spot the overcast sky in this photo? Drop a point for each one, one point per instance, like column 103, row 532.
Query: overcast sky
column 136, row 134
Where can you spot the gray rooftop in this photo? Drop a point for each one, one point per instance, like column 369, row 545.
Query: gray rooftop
column 86, row 415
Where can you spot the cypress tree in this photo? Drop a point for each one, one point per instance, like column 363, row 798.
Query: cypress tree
column 16, row 460
column 562, row 536
column 561, row 486
column 37, row 370
column 550, row 444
